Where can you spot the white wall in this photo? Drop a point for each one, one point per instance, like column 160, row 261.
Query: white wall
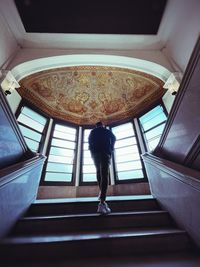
column 14, row 100
column 27, row 54
column 8, row 43
column 182, row 30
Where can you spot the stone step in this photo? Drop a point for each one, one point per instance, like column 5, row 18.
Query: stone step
column 89, row 205
column 80, row 222
column 94, row 243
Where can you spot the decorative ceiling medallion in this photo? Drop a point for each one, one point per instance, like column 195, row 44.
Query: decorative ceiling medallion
column 86, row 94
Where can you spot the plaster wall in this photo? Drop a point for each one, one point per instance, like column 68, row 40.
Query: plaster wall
column 182, row 31
column 8, row 43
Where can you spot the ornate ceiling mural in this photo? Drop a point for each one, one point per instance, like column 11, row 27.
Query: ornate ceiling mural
column 86, row 94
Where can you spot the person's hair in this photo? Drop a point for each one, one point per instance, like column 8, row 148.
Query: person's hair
column 99, row 124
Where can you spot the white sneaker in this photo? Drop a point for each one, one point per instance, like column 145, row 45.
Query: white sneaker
column 103, row 208
column 107, row 208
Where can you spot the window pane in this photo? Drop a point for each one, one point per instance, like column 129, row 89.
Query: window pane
column 89, row 169
column 155, row 132
column 85, row 146
column 89, row 177
column 32, row 144
column 86, row 134
column 59, row 159
column 66, row 136
column 32, row 114
column 30, row 133
column 154, row 121
column 65, row 129
column 63, row 143
column 128, row 127
column 58, row 177
column 61, row 155
column 127, row 157
column 153, row 143
column 58, row 167
column 155, row 118
column 30, row 122
column 125, row 142
column 129, row 165
column 58, row 151
column 88, row 161
column 126, row 150
column 152, row 113
column 134, row 174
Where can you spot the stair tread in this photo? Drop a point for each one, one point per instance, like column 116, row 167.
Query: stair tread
column 84, row 215
column 91, row 199
column 92, row 235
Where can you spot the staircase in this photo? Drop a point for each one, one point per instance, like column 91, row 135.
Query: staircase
column 71, row 228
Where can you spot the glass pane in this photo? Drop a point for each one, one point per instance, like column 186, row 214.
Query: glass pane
column 129, row 165
column 60, row 159
column 86, row 134
column 58, row 177
column 32, row 144
column 30, row 122
column 62, row 143
column 89, row 177
column 128, row 127
column 153, row 143
column 152, row 113
column 85, row 146
column 155, row 132
column 88, row 161
column 34, row 115
column 125, row 142
column 87, row 154
column 89, row 169
column 65, row 129
column 58, row 167
column 154, row 121
column 124, row 134
column 66, row 136
column 134, row 174
column 58, row 151
column 127, row 157
column 126, row 150
column 30, row 133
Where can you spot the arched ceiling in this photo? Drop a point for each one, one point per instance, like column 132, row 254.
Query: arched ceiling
column 86, row 94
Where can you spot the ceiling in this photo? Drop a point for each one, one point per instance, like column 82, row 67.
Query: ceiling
column 88, row 24
column 89, row 16
column 84, row 95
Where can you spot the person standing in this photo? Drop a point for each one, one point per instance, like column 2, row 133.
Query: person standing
column 101, row 145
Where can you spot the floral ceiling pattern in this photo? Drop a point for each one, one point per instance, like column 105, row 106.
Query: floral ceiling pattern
column 84, row 95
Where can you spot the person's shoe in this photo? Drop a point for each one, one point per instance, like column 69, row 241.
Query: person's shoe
column 107, row 208
column 103, row 209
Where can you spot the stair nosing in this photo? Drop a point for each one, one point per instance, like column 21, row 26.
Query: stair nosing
column 66, row 238
column 92, row 215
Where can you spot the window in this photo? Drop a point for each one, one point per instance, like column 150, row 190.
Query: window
column 32, row 126
column 60, row 162
column 152, row 124
column 88, row 169
column 127, row 158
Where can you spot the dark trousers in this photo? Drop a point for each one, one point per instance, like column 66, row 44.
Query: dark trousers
column 102, row 162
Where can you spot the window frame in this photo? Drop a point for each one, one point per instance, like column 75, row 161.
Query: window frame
column 73, row 177
column 25, row 103
column 127, row 181
column 160, row 103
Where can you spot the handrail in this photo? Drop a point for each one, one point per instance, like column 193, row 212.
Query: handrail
column 178, row 171
column 14, row 171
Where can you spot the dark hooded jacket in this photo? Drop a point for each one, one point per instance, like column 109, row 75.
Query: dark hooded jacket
column 101, row 140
